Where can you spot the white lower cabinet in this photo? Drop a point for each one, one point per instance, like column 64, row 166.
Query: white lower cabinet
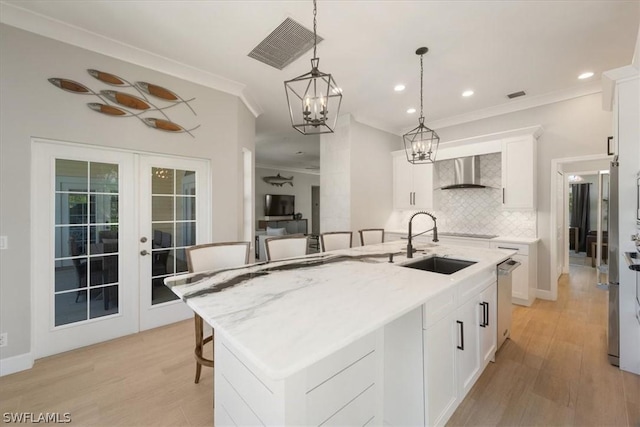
column 440, row 370
column 488, row 305
column 344, row 388
column 468, row 354
column 458, row 347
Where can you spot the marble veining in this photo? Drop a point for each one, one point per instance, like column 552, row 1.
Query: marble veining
column 286, row 315
column 264, row 269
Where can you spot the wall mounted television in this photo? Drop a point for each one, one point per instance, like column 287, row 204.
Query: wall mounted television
column 279, row 205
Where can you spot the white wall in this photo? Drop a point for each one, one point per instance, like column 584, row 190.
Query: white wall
column 302, row 183
column 575, row 127
column 30, row 106
column 356, row 187
column 335, row 177
column 371, row 176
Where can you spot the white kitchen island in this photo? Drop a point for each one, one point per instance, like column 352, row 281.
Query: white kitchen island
column 346, row 338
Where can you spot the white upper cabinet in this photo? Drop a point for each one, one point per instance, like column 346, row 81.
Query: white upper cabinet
column 518, row 173
column 412, row 184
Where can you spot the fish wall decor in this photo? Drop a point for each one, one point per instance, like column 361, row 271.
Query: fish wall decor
column 113, row 80
column 162, row 93
column 278, row 180
column 117, row 103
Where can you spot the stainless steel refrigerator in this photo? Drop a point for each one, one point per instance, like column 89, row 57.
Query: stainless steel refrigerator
column 613, row 336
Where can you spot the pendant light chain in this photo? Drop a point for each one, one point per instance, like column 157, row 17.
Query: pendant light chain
column 421, row 79
column 315, row 37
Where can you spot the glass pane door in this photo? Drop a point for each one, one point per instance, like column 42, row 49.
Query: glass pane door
column 84, row 246
column 86, row 240
column 173, row 216
column 173, row 222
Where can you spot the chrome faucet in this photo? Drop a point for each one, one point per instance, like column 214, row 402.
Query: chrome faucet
column 435, row 232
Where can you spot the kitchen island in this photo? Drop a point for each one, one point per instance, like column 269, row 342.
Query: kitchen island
column 338, row 338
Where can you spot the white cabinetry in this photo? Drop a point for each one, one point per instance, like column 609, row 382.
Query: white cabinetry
column 488, row 305
column 412, row 184
column 524, row 279
column 441, row 378
column 518, row 173
column 341, row 389
column 459, row 341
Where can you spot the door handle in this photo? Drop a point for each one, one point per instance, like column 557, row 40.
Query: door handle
column 483, row 324
column 461, row 346
column 486, row 320
column 144, row 252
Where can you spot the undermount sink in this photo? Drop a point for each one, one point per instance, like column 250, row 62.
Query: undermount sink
column 440, row 265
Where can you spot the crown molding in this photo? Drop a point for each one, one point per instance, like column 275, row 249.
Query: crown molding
column 611, row 78
column 288, row 169
column 54, row 29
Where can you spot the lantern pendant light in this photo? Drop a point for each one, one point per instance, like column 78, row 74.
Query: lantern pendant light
column 314, row 98
column 421, row 143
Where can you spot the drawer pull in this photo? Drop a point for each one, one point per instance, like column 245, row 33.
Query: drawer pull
column 511, row 249
column 461, row 346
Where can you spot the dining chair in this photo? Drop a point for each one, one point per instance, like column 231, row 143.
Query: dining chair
column 212, row 256
column 291, row 245
column 371, row 236
column 334, row 240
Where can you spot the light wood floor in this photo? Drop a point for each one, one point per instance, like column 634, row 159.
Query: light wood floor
column 144, row 379
column 553, row 371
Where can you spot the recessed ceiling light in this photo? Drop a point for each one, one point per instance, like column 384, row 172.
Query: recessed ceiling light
column 467, row 93
column 398, row 88
column 585, row 75
column 411, row 110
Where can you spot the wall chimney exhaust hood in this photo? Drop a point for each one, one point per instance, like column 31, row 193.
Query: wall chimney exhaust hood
column 466, row 174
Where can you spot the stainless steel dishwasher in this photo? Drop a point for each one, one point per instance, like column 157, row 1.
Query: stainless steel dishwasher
column 504, row 299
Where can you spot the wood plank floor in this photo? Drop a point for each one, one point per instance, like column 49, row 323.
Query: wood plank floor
column 553, row 371
column 145, row 379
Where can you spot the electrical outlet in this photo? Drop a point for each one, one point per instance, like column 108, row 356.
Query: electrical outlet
column 4, row 242
column 4, row 339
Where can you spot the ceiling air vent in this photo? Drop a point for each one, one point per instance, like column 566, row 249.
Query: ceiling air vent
column 284, row 45
column 516, row 94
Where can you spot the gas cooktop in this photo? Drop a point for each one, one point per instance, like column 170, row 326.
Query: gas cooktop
column 471, row 235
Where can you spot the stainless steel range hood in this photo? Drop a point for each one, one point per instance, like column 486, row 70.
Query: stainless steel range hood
column 466, row 173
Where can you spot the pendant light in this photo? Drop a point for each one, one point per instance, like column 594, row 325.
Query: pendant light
column 314, row 98
column 421, row 143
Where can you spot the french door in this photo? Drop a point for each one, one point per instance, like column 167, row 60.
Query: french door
column 108, row 227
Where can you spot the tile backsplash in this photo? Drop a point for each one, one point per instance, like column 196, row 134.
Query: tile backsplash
column 478, row 211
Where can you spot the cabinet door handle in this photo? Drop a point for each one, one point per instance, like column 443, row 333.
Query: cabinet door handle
column 511, row 249
column 503, row 195
column 414, row 198
column 461, row 346
column 410, row 198
column 483, row 324
column 486, row 319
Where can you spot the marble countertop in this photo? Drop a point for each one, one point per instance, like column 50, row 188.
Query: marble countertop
column 286, row 315
column 505, row 239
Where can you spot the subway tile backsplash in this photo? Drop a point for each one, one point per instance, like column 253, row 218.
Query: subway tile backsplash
column 479, row 211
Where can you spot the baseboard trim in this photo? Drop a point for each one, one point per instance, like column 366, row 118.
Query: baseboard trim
column 11, row 365
column 544, row 294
